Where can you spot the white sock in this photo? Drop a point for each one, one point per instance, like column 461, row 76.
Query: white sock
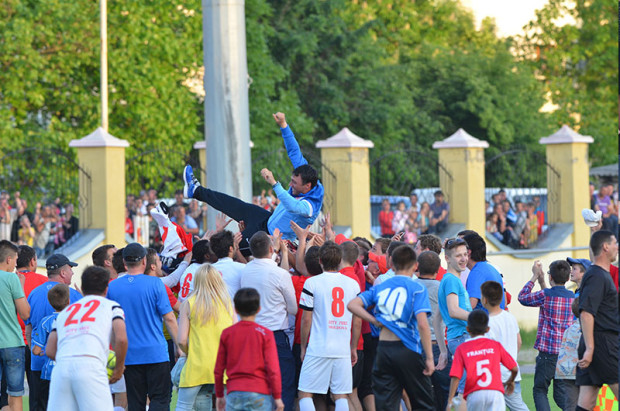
column 119, row 409
column 306, row 404
column 342, row 404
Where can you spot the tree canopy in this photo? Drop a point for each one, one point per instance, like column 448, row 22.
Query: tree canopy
column 400, row 73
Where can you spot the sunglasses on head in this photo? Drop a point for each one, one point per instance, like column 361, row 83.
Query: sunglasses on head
column 455, row 242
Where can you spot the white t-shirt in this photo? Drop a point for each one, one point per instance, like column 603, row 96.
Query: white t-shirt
column 187, row 281
column 84, row 328
column 327, row 296
column 231, row 274
column 504, row 329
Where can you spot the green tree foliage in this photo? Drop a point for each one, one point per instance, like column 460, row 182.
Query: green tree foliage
column 573, row 46
column 400, row 73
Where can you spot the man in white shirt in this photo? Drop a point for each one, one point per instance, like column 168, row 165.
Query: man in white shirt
column 277, row 301
column 331, row 352
column 223, row 246
column 80, row 343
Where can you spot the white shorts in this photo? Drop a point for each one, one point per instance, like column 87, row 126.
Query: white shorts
column 80, row 383
column 319, row 373
column 486, row 400
column 119, row 386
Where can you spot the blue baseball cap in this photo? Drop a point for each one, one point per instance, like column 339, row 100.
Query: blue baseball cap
column 583, row 261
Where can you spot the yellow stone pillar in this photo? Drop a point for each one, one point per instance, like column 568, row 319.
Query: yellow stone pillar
column 102, row 196
column 567, row 182
column 461, row 178
column 346, row 178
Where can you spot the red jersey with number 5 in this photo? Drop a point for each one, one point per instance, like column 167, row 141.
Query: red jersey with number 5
column 480, row 357
column 327, row 296
column 85, row 328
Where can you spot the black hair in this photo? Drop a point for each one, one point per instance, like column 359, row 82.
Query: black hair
column 308, row 174
column 428, row 263
column 259, row 244
column 393, row 246
column 201, row 251
column 478, row 247
column 364, row 246
column 100, row 255
column 403, row 258
column 25, row 254
column 58, row 296
column 7, row 249
column 95, row 280
column 463, row 233
column 330, row 256
column 559, row 271
column 247, row 301
column 384, row 243
column 477, row 323
column 598, row 239
column 493, row 292
column 117, row 261
column 221, row 243
column 311, row 259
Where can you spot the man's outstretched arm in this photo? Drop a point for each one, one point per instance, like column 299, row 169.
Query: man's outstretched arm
column 292, row 205
column 292, row 147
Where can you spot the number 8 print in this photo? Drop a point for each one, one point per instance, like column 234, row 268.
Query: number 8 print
column 337, row 303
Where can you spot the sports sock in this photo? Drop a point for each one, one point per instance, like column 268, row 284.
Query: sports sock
column 119, row 409
column 306, row 404
column 342, row 404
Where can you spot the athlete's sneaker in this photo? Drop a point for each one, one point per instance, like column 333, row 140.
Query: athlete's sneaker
column 191, row 182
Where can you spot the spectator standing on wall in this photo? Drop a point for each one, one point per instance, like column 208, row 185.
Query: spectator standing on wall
column 386, row 216
column 440, row 210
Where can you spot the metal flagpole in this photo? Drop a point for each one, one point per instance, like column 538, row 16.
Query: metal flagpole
column 104, row 65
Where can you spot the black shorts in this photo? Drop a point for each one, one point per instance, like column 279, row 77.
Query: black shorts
column 397, row 368
column 604, row 366
column 358, row 369
column 370, row 348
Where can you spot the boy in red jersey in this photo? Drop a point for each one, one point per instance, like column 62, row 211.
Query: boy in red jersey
column 480, row 358
column 248, row 354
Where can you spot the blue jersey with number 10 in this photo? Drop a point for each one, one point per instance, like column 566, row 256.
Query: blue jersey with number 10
column 397, row 302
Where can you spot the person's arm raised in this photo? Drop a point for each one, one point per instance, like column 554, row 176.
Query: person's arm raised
column 292, row 147
column 292, row 205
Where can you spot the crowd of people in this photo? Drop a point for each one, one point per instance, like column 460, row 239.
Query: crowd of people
column 279, row 317
column 47, row 228
column 418, row 219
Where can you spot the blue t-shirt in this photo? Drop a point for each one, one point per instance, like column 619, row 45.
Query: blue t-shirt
column 40, row 308
column 479, row 274
column 39, row 338
column 451, row 284
column 397, row 302
column 145, row 302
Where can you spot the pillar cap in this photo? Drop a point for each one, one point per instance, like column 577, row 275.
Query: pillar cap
column 565, row 135
column 345, row 139
column 99, row 138
column 460, row 139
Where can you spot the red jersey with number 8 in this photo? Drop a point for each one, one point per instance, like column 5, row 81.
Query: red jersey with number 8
column 480, row 357
column 327, row 296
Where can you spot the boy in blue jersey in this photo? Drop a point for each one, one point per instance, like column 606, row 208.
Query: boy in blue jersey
column 58, row 297
column 301, row 203
column 402, row 309
column 452, row 297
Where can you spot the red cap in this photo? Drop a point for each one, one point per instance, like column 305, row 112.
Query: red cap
column 380, row 260
column 341, row 238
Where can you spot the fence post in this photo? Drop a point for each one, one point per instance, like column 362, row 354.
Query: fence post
column 567, row 182
column 104, row 157
column 461, row 178
column 346, row 156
